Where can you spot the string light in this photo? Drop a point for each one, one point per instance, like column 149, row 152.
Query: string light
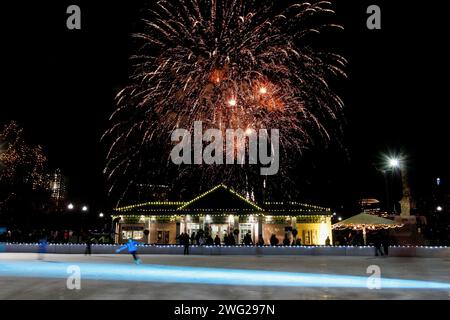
column 180, row 206
column 214, row 189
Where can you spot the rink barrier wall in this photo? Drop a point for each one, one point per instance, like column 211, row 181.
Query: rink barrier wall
column 394, row 251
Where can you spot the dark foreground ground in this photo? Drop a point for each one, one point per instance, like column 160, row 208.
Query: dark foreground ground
column 23, row 276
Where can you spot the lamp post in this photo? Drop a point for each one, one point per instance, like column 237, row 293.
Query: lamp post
column 392, row 164
column 75, row 208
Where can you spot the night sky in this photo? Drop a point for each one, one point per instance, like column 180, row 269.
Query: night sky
column 59, row 85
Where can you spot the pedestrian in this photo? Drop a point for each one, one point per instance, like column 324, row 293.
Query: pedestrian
column 232, row 239
column 209, row 240
column 273, row 240
column 327, row 241
column 131, row 245
column 186, row 243
column 286, row 240
column 385, row 242
column 87, row 251
column 197, row 238
column 260, row 240
column 377, row 244
column 248, row 239
column 180, row 239
column 226, row 239
column 217, row 240
column 193, row 237
column 200, row 240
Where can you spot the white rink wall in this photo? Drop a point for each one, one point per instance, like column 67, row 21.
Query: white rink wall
column 394, row 251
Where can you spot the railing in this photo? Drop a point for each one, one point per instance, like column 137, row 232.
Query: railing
column 394, row 251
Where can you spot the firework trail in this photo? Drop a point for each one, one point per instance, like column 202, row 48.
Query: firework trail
column 230, row 64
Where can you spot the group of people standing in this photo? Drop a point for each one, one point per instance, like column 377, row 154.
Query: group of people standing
column 230, row 240
column 381, row 244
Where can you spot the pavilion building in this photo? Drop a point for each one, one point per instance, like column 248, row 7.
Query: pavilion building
column 221, row 211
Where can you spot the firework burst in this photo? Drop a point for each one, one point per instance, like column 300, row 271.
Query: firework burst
column 230, row 64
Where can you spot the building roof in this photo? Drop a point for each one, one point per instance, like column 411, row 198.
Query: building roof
column 149, row 207
column 292, row 206
column 220, row 199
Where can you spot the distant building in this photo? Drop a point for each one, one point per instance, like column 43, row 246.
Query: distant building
column 57, row 188
column 222, row 211
column 370, row 205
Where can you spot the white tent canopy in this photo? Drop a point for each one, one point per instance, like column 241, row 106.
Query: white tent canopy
column 364, row 222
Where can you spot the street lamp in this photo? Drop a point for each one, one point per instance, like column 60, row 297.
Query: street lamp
column 70, row 206
column 84, row 209
column 394, row 163
column 439, row 208
column 101, row 215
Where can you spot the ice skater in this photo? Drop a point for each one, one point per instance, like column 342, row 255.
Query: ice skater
column 88, row 249
column 42, row 248
column 131, row 245
column 2, row 245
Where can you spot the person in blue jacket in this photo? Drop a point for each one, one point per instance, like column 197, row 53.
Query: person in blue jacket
column 42, row 249
column 2, row 245
column 131, row 245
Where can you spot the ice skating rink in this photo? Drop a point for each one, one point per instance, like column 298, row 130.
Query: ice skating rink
column 23, row 276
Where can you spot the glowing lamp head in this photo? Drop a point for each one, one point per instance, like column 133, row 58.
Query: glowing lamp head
column 101, row 215
column 439, row 208
column 84, row 208
column 394, row 163
column 263, row 90
column 232, row 102
column 70, row 206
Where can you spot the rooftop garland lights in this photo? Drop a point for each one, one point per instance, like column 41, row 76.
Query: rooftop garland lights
column 293, row 203
column 156, row 203
column 214, row 189
column 171, row 207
